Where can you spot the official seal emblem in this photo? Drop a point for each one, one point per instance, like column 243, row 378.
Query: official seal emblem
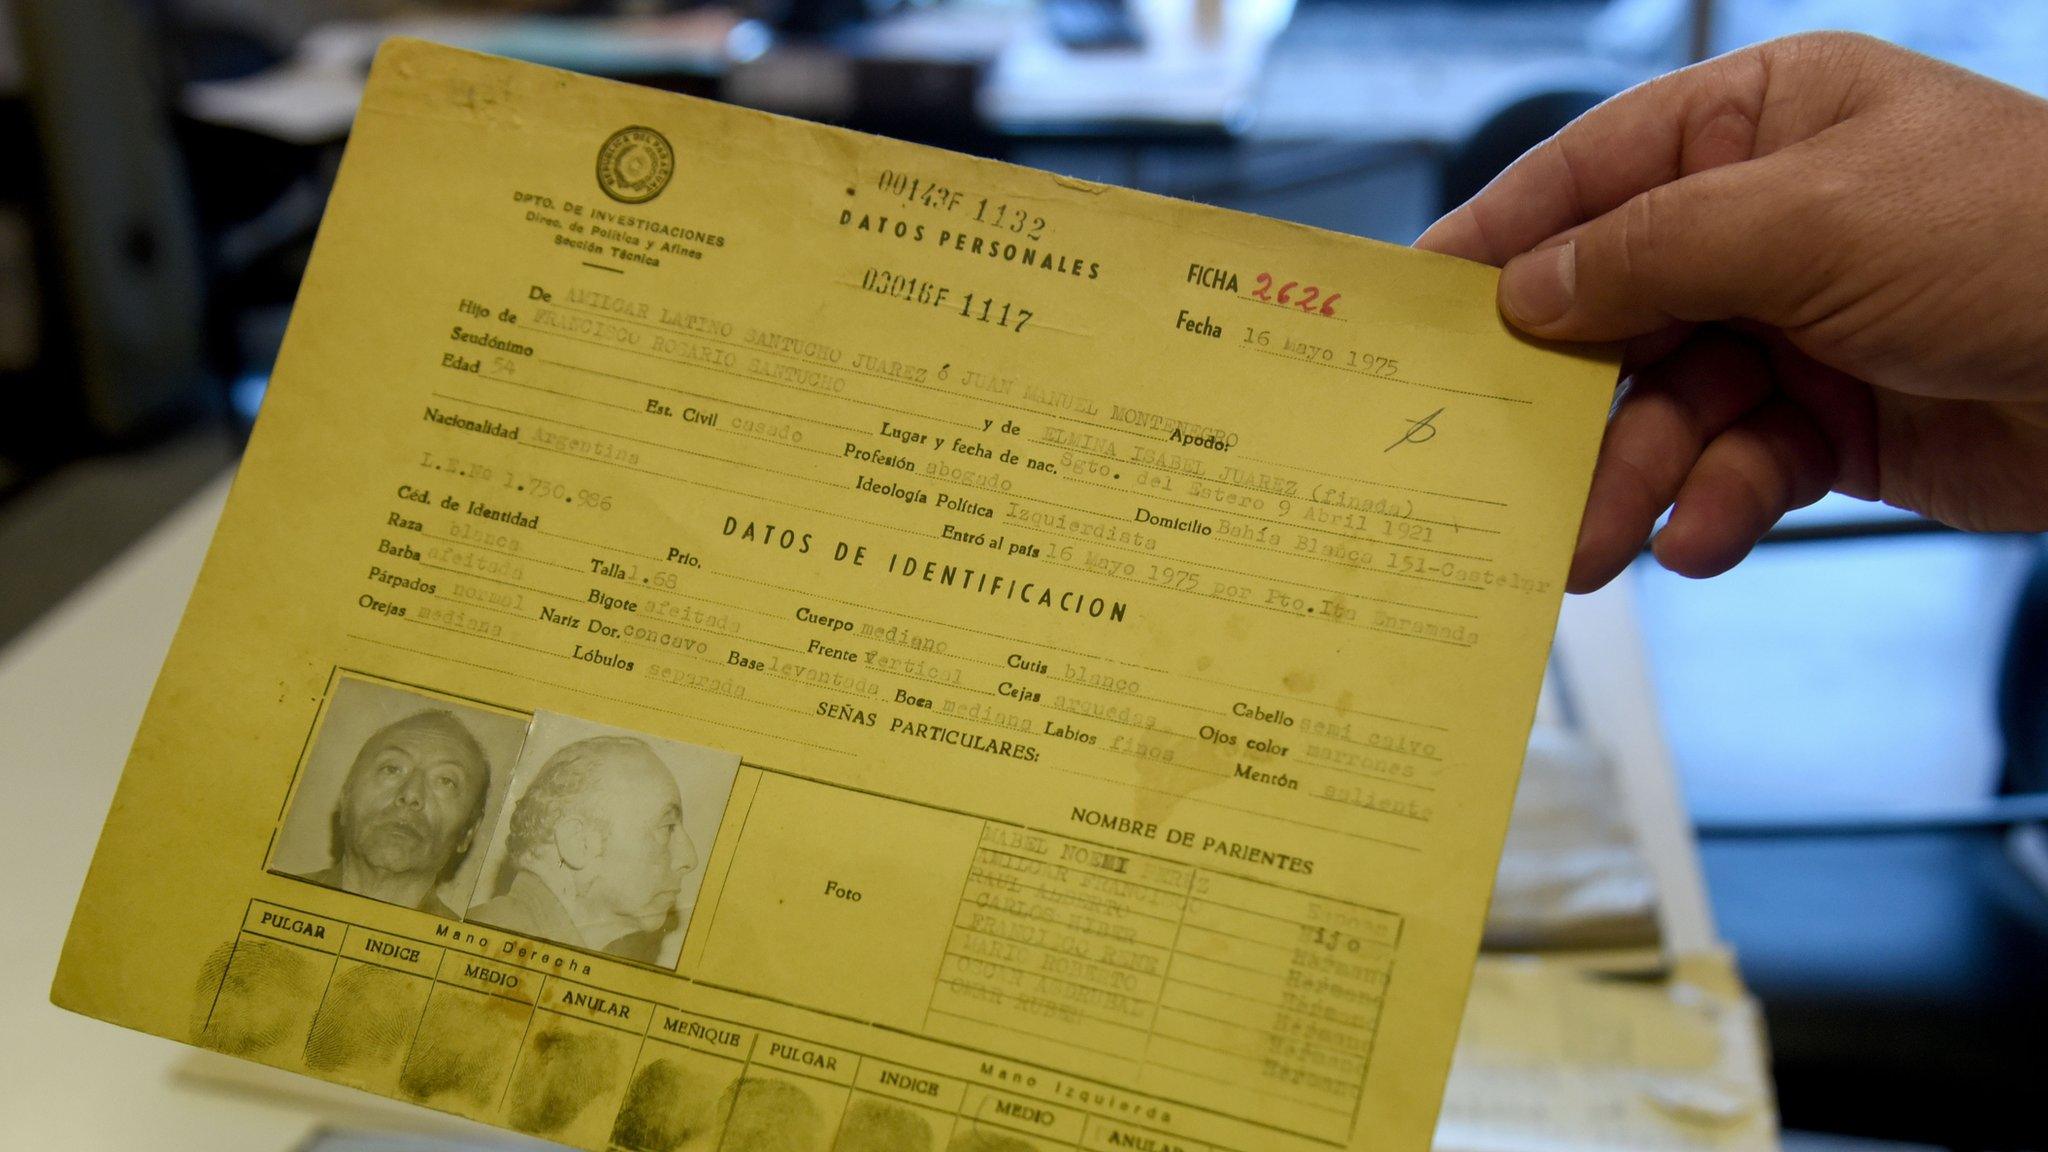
column 635, row 165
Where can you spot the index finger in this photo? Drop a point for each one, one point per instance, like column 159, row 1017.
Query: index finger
column 1729, row 109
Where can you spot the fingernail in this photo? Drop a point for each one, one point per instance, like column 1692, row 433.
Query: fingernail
column 1536, row 287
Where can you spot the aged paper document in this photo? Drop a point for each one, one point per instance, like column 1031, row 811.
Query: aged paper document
column 736, row 635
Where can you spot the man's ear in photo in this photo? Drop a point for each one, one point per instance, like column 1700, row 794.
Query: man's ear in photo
column 605, row 838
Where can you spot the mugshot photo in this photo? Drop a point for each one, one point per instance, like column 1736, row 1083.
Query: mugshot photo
column 603, row 839
column 398, row 795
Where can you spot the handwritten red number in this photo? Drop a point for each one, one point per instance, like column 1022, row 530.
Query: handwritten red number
column 1307, row 303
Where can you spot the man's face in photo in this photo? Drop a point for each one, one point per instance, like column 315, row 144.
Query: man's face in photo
column 410, row 802
column 646, row 851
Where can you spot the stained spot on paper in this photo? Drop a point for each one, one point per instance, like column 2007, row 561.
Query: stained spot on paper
column 667, row 1105
column 562, row 1073
column 877, row 1126
column 465, row 1047
column 1300, row 681
column 985, row 1140
column 256, row 997
column 366, row 1020
column 1169, row 768
column 763, row 1114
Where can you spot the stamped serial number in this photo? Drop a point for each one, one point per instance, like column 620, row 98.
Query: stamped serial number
column 976, row 306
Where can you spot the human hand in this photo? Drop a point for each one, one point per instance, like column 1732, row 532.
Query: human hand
column 1829, row 259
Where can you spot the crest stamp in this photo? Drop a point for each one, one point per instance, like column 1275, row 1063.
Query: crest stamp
column 635, row 164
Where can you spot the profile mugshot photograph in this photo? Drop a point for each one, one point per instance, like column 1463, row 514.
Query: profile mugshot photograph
column 603, row 843
column 398, row 791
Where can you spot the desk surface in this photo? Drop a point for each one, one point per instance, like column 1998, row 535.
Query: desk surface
column 72, row 691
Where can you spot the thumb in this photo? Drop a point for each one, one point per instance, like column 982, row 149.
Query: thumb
column 1745, row 240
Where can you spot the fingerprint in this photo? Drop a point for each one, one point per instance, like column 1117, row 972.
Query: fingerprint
column 206, row 993
column 666, row 1105
column 563, row 1071
column 368, row 1016
column 254, row 997
column 769, row 1115
column 465, row 1047
column 875, row 1126
column 984, row 1140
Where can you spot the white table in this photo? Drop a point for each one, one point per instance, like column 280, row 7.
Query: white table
column 72, row 690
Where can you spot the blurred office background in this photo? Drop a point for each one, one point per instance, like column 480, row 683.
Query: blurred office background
column 1860, row 711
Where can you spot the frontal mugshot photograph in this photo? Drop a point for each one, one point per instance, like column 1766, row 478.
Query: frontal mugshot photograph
column 398, row 793
column 603, row 842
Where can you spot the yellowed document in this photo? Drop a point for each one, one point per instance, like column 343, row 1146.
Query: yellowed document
column 732, row 634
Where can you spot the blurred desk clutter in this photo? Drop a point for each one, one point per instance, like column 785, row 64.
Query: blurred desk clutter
column 183, row 199
column 1009, row 68
column 310, row 98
